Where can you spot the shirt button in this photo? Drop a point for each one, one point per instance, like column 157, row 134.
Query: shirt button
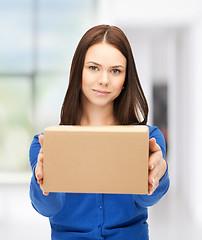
column 100, row 207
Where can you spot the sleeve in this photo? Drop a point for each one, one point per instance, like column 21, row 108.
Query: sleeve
column 46, row 205
column 164, row 183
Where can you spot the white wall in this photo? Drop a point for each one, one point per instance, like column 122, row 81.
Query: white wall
column 195, row 163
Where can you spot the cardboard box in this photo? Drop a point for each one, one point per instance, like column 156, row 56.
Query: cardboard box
column 111, row 159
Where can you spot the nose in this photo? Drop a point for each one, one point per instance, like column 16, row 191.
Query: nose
column 104, row 79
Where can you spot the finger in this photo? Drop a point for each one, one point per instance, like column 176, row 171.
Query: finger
column 45, row 193
column 41, row 181
column 154, row 159
column 151, row 164
column 152, row 188
column 39, row 170
column 41, row 140
column 153, row 146
column 153, row 176
column 153, row 181
column 39, row 175
column 41, row 186
column 40, row 158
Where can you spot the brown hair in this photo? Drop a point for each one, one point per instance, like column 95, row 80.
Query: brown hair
column 130, row 107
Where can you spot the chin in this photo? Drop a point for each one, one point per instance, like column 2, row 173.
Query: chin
column 101, row 103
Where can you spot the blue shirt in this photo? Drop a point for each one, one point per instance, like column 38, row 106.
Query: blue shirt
column 81, row 216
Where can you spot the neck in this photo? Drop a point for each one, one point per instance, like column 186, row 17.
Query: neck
column 98, row 116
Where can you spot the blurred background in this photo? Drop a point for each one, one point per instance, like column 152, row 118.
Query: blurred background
column 37, row 42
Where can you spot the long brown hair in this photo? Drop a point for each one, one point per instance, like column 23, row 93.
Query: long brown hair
column 130, row 107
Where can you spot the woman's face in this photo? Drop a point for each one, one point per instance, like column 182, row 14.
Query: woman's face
column 103, row 74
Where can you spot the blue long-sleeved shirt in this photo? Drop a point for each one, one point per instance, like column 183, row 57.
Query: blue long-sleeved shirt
column 81, row 216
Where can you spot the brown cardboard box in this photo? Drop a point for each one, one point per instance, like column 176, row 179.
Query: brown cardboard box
column 112, row 159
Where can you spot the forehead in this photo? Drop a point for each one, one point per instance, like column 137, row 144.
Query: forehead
column 104, row 53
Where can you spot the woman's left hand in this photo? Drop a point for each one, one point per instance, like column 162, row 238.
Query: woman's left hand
column 157, row 165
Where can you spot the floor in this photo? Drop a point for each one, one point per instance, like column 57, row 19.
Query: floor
column 18, row 220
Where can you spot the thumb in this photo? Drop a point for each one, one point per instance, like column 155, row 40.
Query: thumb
column 41, row 140
column 153, row 146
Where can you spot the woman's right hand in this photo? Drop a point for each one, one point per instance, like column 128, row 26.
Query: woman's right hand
column 39, row 166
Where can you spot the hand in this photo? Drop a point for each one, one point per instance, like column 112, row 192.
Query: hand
column 157, row 165
column 39, row 166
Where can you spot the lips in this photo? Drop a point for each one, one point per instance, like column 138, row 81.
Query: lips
column 101, row 92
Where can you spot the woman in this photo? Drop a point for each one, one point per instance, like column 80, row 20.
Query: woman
column 104, row 89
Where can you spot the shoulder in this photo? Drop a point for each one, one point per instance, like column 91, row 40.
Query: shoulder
column 154, row 132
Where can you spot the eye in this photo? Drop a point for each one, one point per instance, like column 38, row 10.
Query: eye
column 115, row 71
column 94, row 68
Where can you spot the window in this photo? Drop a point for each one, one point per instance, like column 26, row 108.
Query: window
column 38, row 39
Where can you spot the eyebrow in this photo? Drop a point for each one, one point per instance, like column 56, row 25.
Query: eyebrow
column 116, row 66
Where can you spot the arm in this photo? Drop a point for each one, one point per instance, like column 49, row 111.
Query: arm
column 47, row 204
column 158, row 170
